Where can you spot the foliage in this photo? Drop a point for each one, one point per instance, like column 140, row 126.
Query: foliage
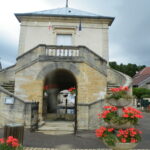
column 107, row 134
column 130, row 135
column 129, row 69
column 117, row 93
column 10, row 143
column 111, row 137
column 141, row 92
column 72, row 90
column 129, row 115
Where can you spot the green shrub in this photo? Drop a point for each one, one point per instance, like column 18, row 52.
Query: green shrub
column 141, row 92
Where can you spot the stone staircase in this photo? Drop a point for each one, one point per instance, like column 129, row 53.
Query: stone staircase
column 9, row 86
column 57, row 127
column 111, row 85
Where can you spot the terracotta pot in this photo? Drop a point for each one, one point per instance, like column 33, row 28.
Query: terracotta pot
column 119, row 102
column 122, row 146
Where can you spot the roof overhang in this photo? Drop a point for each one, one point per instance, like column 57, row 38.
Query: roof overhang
column 19, row 16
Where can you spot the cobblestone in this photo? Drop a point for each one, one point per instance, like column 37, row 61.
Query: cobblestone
column 31, row 148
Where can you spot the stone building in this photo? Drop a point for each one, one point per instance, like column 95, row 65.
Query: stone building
column 59, row 49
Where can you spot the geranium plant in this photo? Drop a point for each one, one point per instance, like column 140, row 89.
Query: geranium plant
column 72, row 90
column 130, row 135
column 130, row 114
column 118, row 93
column 107, row 134
column 112, row 136
column 10, row 143
column 119, row 132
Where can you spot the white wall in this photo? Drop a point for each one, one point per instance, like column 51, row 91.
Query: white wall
column 94, row 34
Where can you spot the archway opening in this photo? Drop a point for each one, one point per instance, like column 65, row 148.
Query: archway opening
column 59, row 96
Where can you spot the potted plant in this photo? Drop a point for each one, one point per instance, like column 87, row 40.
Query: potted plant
column 121, row 139
column 119, row 133
column 72, row 90
column 10, row 143
column 119, row 96
column 130, row 116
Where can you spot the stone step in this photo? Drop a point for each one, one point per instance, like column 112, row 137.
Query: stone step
column 9, row 86
column 111, row 85
column 55, row 132
column 58, row 126
column 56, row 117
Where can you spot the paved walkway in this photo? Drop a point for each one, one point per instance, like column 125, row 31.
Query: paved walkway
column 27, row 148
column 30, row 148
column 83, row 140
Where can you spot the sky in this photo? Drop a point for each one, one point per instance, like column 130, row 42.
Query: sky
column 129, row 35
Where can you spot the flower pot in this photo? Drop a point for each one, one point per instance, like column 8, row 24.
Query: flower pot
column 120, row 126
column 122, row 146
column 119, row 102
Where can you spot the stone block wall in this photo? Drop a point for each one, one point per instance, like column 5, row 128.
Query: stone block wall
column 7, row 74
column 19, row 112
column 91, row 85
column 94, row 109
column 89, row 71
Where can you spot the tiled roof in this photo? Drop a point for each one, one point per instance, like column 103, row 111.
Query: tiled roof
column 65, row 12
column 141, row 76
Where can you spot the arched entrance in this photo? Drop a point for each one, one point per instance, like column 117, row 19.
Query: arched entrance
column 59, row 96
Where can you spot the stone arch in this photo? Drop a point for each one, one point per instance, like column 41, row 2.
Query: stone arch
column 58, row 65
column 47, row 70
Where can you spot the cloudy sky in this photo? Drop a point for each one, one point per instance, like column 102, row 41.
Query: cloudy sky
column 129, row 35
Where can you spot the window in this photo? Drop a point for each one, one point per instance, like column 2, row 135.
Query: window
column 64, row 39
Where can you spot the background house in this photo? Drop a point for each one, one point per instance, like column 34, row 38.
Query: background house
column 142, row 78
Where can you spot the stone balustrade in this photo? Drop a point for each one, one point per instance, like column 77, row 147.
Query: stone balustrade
column 54, row 53
column 62, row 52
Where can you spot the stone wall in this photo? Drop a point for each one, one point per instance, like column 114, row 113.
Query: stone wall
column 87, row 115
column 7, row 74
column 33, row 29
column 18, row 112
column 91, row 85
column 118, row 78
column 94, row 109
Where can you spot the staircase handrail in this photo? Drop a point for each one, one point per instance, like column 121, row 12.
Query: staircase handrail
column 127, row 79
column 3, row 90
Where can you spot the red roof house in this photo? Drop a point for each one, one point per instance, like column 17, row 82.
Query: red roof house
column 142, row 78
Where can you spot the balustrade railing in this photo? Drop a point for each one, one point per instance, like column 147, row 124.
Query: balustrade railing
column 62, row 52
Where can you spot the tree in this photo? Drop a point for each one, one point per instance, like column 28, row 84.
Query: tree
column 129, row 69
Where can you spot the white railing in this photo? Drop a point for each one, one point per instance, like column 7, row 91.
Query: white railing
column 62, row 52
